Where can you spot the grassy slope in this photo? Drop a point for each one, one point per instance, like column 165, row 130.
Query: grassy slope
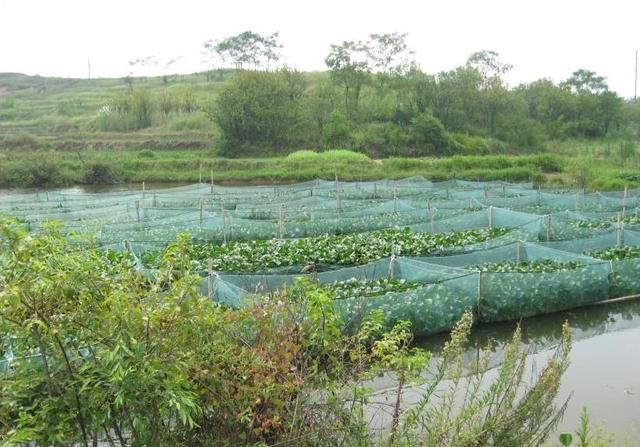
column 56, row 115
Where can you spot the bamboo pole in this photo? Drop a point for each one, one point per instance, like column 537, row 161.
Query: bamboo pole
column 479, row 295
column 210, row 278
column 224, row 223
column 548, row 227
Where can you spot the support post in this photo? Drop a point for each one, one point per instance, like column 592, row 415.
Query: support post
column 624, row 202
column 200, row 211
column 392, row 262
column 212, row 179
column 619, row 231
column 210, row 278
column 224, row 223
column 200, row 173
column 548, row 219
column 280, row 222
column 479, row 300
column 490, row 217
column 138, row 210
column 143, row 191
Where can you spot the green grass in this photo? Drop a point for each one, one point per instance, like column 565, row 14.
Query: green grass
column 19, row 167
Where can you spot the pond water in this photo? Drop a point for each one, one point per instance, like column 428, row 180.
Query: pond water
column 604, row 374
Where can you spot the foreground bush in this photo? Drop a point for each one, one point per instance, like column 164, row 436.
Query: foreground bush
column 101, row 353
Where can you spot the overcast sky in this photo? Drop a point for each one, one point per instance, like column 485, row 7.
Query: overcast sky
column 541, row 38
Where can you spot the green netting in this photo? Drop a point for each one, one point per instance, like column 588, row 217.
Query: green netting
column 625, row 273
column 443, row 294
column 508, row 296
column 569, row 220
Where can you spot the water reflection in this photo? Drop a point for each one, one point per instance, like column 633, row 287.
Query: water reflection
column 604, row 374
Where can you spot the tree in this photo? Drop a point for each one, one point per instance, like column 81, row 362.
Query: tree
column 246, row 49
column 489, row 65
column 389, row 53
column 349, row 67
column 585, row 81
column 494, row 94
column 260, row 109
column 429, row 133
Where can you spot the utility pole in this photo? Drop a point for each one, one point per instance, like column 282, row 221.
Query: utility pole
column 89, row 66
column 635, row 85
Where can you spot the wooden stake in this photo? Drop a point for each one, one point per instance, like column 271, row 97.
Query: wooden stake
column 624, row 202
column 479, row 295
column 200, row 173
column 143, row 190
column 490, row 217
column 210, row 278
column 548, row 227
column 200, row 211
column 138, row 210
column 211, row 179
column 280, row 222
column 224, row 223
column 619, row 235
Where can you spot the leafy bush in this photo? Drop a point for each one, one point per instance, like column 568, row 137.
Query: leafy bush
column 382, row 140
column 100, row 173
column 41, row 171
column 260, row 109
column 469, row 144
column 521, row 132
column 336, row 132
column 429, row 134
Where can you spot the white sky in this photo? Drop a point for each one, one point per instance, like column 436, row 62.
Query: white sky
column 542, row 38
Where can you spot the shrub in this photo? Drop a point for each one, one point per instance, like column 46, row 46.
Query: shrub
column 382, row 140
column 100, row 173
column 522, row 132
column 469, row 144
column 336, row 131
column 40, row 171
column 429, row 134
